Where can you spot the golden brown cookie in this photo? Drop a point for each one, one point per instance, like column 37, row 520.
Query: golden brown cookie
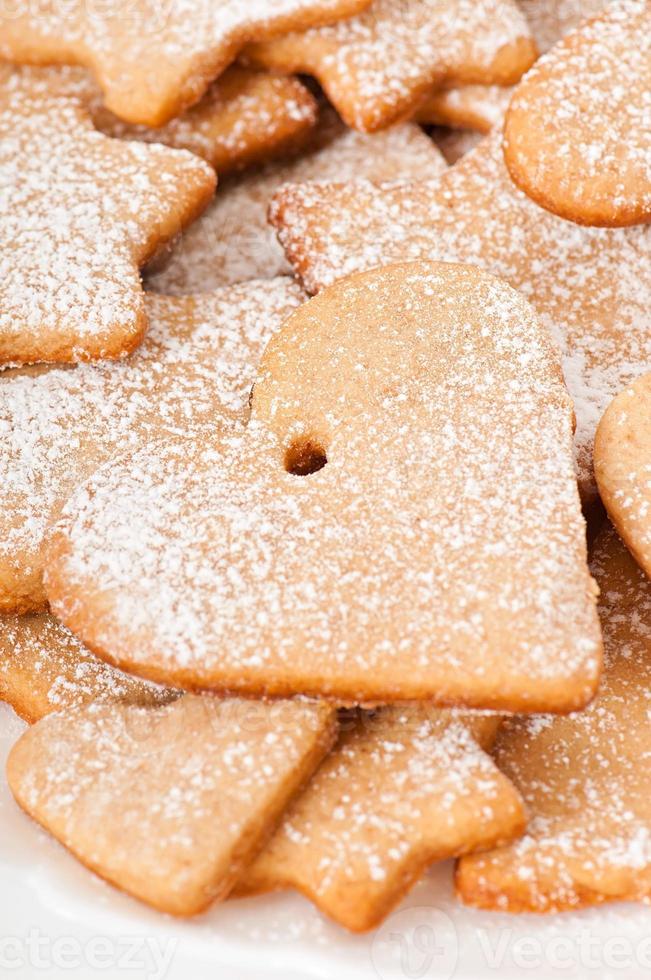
column 590, row 286
column 232, row 241
column 80, row 213
column 403, row 788
column 244, row 118
column 481, row 107
column 58, row 424
column 477, row 107
column 153, row 60
column 169, row 803
column 586, row 778
column 622, row 462
column 377, row 67
column 577, row 136
column 44, row 668
column 550, row 20
column 399, row 520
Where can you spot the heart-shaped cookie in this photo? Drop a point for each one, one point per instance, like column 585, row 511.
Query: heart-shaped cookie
column 399, row 520
column 577, row 135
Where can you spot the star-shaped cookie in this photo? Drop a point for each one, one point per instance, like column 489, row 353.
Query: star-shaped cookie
column 403, row 788
column 80, row 213
column 377, row 67
column 152, row 60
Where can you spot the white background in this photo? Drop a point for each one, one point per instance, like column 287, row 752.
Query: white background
column 59, row 920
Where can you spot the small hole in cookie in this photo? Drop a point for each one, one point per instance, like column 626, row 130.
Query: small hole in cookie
column 305, row 456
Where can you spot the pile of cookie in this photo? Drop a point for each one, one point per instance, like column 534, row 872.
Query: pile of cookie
column 296, row 592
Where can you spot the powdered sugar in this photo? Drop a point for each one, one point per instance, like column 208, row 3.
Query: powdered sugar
column 439, row 553
column 59, row 424
column 79, row 213
column 232, row 241
column 376, row 67
column 584, row 778
column 590, row 286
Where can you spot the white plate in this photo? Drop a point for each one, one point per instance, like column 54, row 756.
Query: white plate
column 58, row 920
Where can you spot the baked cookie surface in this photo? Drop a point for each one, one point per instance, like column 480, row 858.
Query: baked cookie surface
column 577, row 135
column 399, row 520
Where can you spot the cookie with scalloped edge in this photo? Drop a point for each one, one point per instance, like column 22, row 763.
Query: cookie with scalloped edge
column 377, row 67
column 44, row 668
column 577, row 135
column 168, row 802
column 589, row 286
column 401, row 789
column 585, row 778
column 232, row 240
column 80, row 214
column 623, row 467
column 398, row 521
column 152, row 59
column 58, row 424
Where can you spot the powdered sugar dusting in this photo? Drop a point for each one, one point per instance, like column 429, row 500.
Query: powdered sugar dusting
column 585, row 778
column 57, row 425
column 578, row 131
column 232, row 240
column 79, row 214
column 589, row 286
column 551, row 19
column 376, row 67
column 439, row 553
